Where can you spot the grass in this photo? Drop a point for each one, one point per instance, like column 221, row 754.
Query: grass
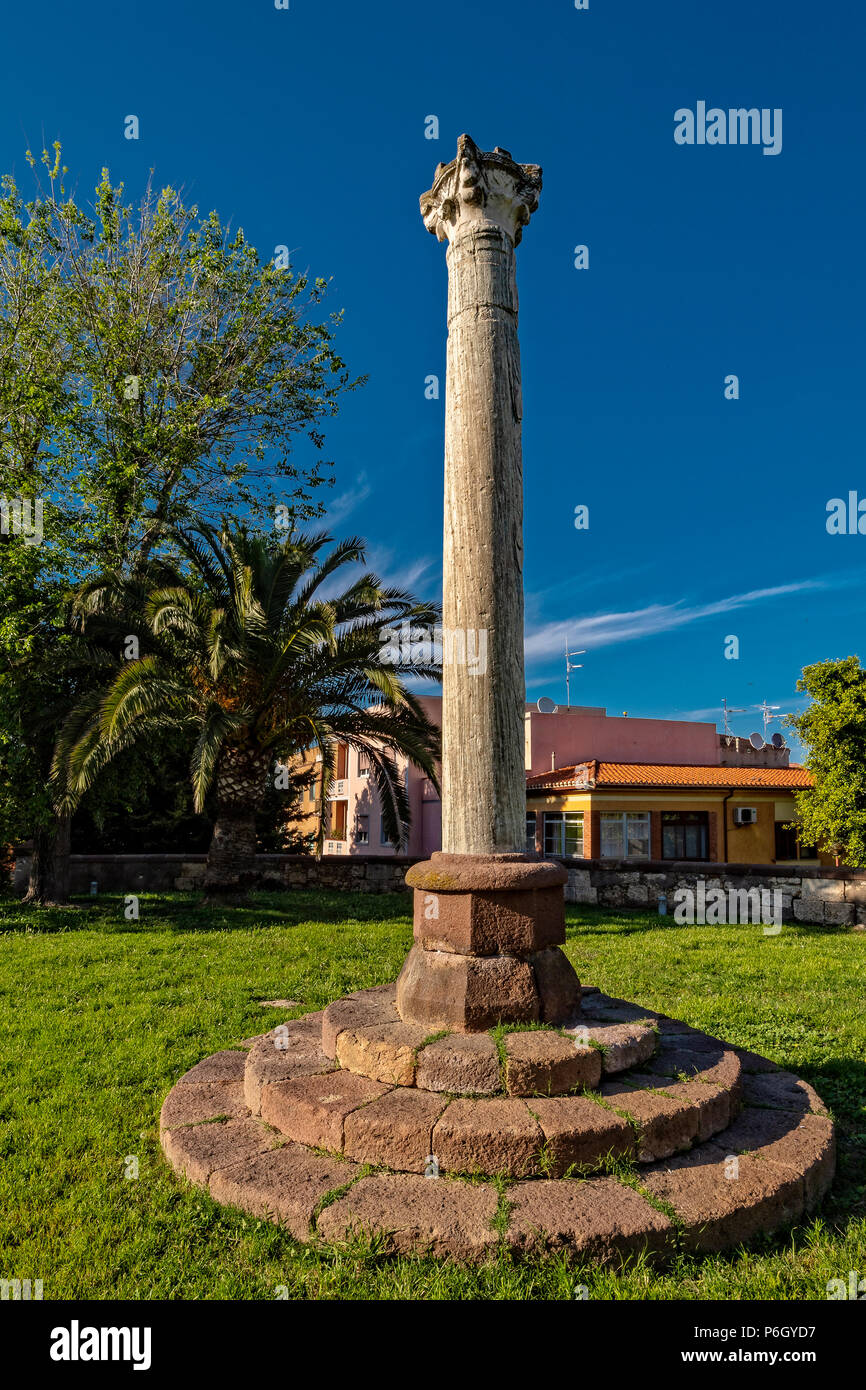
column 101, row 1015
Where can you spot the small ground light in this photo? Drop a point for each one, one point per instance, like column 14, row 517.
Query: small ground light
column 94, row 888
column 663, row 904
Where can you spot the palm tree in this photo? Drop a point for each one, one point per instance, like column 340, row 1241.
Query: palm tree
column 242, row 648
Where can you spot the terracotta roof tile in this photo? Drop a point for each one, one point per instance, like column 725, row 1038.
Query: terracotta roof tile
column 596, row 775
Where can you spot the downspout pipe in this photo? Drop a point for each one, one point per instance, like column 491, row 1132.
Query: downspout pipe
column 725, row 820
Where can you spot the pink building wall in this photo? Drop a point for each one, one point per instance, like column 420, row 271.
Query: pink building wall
column 362, row 799
column 578, row 735
column 569, row 736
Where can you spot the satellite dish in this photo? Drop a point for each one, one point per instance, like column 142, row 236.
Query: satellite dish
column 545, row 705
column 777, row 741
column 756, row 741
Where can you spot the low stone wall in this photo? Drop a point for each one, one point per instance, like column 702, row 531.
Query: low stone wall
column 154, row 873
column 808, row 894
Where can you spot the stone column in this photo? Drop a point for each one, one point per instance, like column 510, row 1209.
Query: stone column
column 487, row 916
column 481, row 202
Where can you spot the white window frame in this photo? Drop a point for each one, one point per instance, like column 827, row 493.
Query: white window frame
column 608, row 817
column 560, row 820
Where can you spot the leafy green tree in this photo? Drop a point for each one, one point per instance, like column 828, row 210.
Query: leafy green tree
column 832, row 814
column 252, row 651
column 151, row 367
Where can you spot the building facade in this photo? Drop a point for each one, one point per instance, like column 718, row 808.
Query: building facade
column 604, row 787
column 353, row 814
column 617, row 788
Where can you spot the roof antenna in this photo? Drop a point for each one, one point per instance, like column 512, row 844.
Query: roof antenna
column 569, row 667
column 769, row 716
column 726, row 712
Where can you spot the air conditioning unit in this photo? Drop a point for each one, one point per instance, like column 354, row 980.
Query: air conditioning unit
column 745, row 815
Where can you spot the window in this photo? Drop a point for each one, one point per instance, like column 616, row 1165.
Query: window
column 563, row 833
column 625, row 834
column 383, row 836
column 685, row 835
column 787, row 845
column 362, row 830
column 530, row 832
column 363, row 764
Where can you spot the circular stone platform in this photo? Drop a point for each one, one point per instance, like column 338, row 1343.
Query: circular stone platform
column 626, row 1131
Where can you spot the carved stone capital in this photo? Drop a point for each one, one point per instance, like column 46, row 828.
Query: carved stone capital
column 480, row 186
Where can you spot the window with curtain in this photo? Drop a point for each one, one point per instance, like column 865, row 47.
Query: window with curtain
column 625, row 834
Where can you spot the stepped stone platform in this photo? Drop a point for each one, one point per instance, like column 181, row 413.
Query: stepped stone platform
column 625, row 1131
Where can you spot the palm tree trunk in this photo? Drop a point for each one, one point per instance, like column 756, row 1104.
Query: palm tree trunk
column 49, row 869
column 240, row 789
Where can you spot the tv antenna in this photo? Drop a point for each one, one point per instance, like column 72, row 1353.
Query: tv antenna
column 769, row 716
column 569, row 667
column 726, row 713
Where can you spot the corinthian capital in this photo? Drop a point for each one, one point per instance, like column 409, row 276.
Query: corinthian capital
column 481, row 186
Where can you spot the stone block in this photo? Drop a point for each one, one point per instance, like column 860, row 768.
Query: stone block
column 665, row 1125
column 366, row 1006
column 490, row 923
column 624, row 1044
column 415, row 1215
column 384, row 1051
column 600, row 1220
column 219, row 1067
column 578, row 1132
column 189, row 1105
column 801, row 1142
column 557, row 985
column 284, row 1185
column 462, row 1064
column 840, row 914
column 781, row 1090
column 396, row 1130
column 539, row 1063
column 722, row 1203
column 809, row 909
column 197, row 1151
column 441, row 990
column 487, row 1136
column 269, row 1061
column 312, row 1109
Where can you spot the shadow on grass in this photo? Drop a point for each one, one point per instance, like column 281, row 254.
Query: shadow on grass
column 184, row 912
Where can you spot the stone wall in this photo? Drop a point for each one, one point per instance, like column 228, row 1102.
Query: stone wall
column 809, row 894
column 154, row 873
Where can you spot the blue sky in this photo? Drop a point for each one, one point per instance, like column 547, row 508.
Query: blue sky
column 707, row 515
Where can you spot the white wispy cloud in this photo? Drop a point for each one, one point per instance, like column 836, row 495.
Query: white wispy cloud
column 607, row 629
column 346, row 502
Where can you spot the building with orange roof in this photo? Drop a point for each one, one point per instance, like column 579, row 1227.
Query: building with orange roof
column 604, row 787
column 714, row 798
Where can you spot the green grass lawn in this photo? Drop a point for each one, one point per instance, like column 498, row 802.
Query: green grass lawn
column 100, row 1016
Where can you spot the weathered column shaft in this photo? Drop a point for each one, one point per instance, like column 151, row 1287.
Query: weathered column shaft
column 484, row 786
column 481, row 202
column 489, row 919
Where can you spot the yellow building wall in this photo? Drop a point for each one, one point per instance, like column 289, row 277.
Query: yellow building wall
column 748, row 844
